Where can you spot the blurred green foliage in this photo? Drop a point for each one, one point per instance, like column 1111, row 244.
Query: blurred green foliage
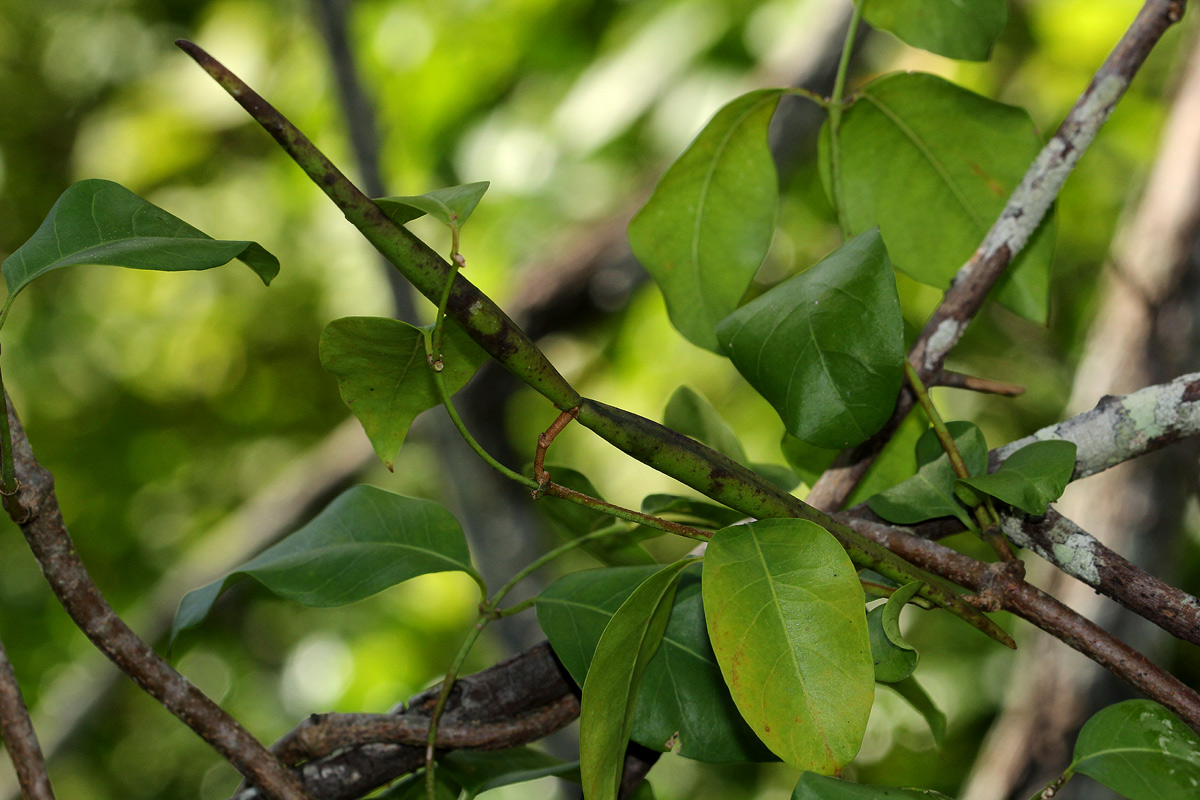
column 164, row 402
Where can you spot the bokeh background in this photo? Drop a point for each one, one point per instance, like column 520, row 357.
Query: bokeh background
column 186, row 417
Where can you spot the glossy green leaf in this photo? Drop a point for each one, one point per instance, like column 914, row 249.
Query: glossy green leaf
column 963, row 29
column 384, row 376
column 708, row 225
column 101, row 222
column 919, row 699
column 365, row 541
column 786, row 620
column 684, row 700
column 571, row 520
column 689, row 412
column 819, row 787
column 1141, row 750
column 895, row 464
column 610, row 690
column 932, row 165
column 895, row 659
column 692, row 510
column 826, row 347
column 450, row 206
column 478, row 771
column 1031, row 478
column 930, row 493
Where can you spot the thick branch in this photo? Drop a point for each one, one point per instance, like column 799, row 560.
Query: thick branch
column 1080, row 555
column 20, row 740
column 1046, row 613
column 523, row 686
column 1121, row 428
column 42, row 524
column 1019, row 219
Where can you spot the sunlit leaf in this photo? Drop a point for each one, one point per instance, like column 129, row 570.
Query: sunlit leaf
column 930, row 493
column 895, row 659
column 101, row 222
column 1031, row 478
column 571, row 520
column 786, row 620
column 684, row 703
column 610, row 691
column 365, row 541
column 826, row 347
column 384, row 376
column 819, row 787
column 478, row 771
column 932, row 165
column 450, row 206
column 964, row 29
column 1141, row 750
column 708, row 226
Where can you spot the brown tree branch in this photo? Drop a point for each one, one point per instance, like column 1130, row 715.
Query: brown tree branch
column 1017, row 222
column 20, row 740
column 47, row 536
column 1045, row 612
column 515, row 688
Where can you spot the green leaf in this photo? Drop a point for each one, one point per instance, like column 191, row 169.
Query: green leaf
column 688, row 412
column 826, row 347
column 478, row 771
column 1141, row 750
column 365, row 541
column 895, row 659
column 919, row 699
column 785, row 616
column 781, row 476
column 930, row 493
column 895, row 463
column 101, row 222
column 708, row 225
column 384, row 376
column 920, row 154
column 819, row 787
column 1031, row 478
column 684, row 699
column 450, row 206
column 693, row 511
column 610, row 691
column 963, row 29
column 413, row 788
column 571, row 520
column 809, row 461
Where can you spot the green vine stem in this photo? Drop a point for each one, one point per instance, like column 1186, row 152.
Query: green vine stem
column 835, row 107
column 985, row 513
column 700, row 467
column 489, row 611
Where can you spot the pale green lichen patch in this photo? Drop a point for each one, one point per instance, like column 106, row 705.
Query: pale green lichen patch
column 1076, row 556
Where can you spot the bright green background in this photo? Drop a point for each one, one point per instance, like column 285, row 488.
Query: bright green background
column 162, row 402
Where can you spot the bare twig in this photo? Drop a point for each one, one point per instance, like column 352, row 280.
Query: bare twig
column 1045, row 612
column 20, row 740
column 55, row 553
column 1021, row 216
column 957, row 380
